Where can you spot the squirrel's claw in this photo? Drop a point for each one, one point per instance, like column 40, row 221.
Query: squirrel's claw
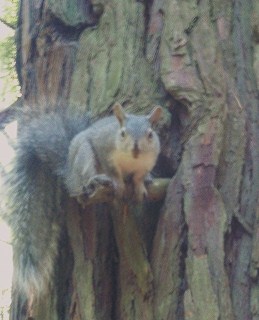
column 99, row 188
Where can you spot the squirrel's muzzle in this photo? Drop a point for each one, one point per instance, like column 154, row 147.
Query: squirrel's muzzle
column 135, row 150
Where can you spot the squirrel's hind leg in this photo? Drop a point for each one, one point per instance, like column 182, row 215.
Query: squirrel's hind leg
column 81, row 167
column 83, row 179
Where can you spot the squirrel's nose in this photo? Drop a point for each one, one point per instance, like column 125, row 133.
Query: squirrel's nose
column 135, row 150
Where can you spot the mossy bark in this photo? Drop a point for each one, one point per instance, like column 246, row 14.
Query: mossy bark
column 196, row 256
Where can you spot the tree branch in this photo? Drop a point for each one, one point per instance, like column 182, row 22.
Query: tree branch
column 100, row 188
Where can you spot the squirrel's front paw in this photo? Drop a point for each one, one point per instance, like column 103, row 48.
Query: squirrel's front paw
column 97, row 181
column 99, row 188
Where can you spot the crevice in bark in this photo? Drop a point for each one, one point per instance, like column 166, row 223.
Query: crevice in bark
column 183, row 254
column 147, row 14
column 114, row 274
column 191, row 26
column 65, row 32
column 147, row 221
column 63, row 280
column 200, row 76
column 171, row 140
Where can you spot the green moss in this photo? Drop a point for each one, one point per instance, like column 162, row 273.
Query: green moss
column 203, row 297
column 70, row 12
column 111, row 64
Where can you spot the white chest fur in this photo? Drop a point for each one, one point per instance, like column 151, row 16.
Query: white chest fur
column 125, row 163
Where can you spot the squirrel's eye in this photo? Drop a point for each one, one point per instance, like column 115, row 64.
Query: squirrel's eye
column 150, row 134
column 123, row 133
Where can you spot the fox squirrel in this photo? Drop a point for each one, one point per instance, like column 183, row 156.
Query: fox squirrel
column 54, row 148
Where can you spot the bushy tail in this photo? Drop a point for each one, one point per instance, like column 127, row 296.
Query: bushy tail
column 33, row 197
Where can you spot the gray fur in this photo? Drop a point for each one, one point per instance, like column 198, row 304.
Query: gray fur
column 55, row 151
column 34, row 214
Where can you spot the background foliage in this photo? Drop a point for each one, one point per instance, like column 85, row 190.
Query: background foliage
column 9, row 87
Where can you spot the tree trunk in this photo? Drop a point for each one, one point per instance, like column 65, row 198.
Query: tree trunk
column 196, row 256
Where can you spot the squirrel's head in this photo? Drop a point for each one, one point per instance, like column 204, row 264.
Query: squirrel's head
column 136, row 134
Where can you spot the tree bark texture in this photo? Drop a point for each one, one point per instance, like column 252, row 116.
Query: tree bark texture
column 196, row 256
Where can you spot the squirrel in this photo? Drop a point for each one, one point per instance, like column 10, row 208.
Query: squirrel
column 56, row 149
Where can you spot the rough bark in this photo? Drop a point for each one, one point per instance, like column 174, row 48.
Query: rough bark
column 196, row 256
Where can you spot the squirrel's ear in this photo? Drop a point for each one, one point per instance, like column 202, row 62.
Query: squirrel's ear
column 155, row 115
column 119, row 112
